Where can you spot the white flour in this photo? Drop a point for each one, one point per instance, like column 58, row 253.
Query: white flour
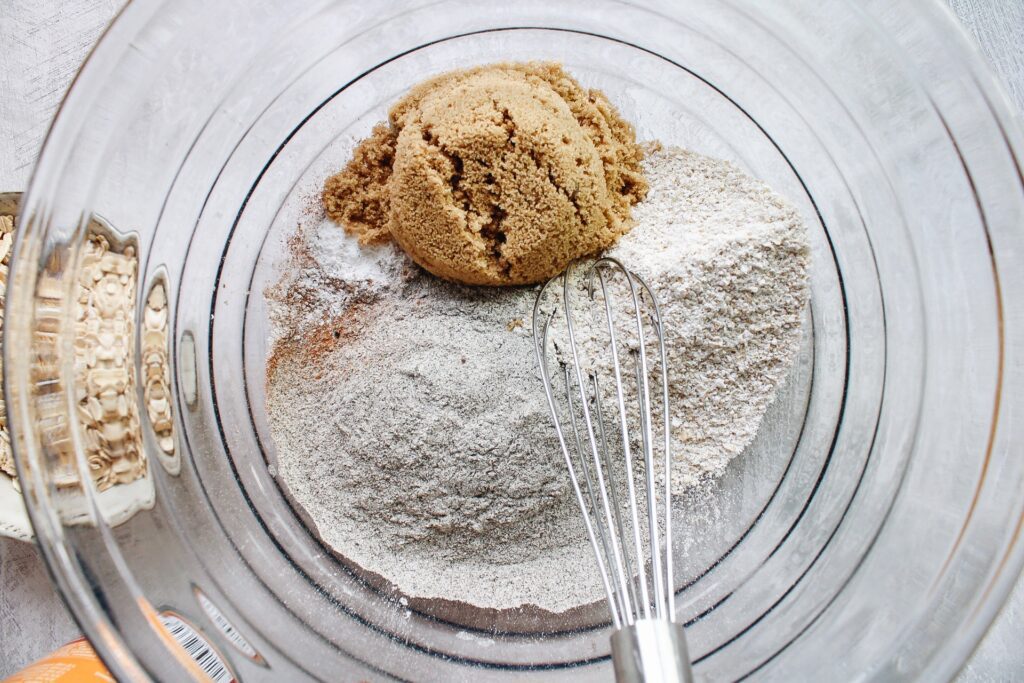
column 325, row 270
column 728, row 261
column 409, row 420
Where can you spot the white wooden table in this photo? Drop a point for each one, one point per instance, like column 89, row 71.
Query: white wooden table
column 42, row 44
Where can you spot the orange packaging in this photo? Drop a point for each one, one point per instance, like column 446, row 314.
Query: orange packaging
column 76, row 662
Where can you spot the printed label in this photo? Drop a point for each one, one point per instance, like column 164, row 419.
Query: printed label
column 76, row 662
column 226, row 627
column 198, row 648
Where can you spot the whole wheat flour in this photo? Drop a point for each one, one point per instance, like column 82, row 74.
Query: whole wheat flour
column 727, row 259
column 407, row 413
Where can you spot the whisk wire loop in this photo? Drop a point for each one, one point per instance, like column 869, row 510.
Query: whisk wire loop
column 592, row 471
column 659, row 331
column 617, row 556
column 611, row 551
column 540, row 342
column 627, row 448
column 647, row 644
column 631, row 587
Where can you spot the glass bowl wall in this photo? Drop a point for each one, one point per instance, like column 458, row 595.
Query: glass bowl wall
column 871, row 531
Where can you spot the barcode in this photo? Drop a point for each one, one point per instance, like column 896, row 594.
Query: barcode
column 218, row 618
column 201, row 652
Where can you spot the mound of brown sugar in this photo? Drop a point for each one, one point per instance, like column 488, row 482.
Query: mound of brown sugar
column 496, row 175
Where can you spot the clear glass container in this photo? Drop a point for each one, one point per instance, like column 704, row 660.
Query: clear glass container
column 871, row 531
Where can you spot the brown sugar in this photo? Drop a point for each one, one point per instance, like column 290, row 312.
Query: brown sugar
column 358, row 196
column 496, row 175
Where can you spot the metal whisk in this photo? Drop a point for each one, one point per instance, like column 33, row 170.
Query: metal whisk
column 647, row 644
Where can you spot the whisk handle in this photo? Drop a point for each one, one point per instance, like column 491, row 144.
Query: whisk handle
column 651, row 651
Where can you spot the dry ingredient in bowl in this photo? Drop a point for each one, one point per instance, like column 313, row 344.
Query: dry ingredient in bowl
column 495, row 175
column 109, row 418
column 728, row 260
column 407, row 415
column 156, row 368
column 6, row 244
column 103, row 357
column 104, row 362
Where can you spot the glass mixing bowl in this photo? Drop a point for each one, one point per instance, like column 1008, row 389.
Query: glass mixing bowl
column 871, row 531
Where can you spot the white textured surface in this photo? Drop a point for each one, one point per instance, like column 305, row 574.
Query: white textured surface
column 998, row 28
column 42, row 43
